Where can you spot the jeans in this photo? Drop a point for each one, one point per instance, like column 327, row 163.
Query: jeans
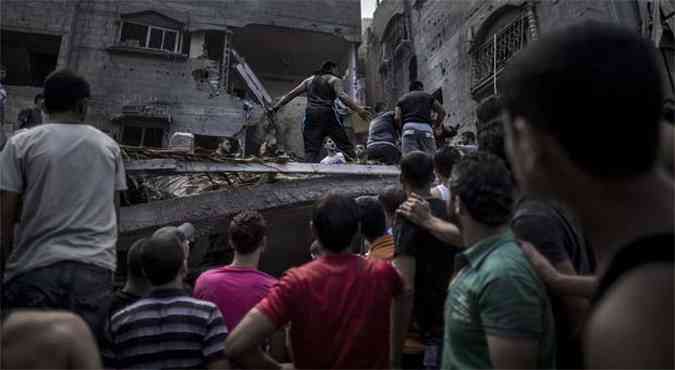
column 418, row 140
column 384, row 153
column 320, row 124
column 81, row 288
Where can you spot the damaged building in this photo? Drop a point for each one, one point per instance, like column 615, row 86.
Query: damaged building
column 160, row 67
column 459, row 48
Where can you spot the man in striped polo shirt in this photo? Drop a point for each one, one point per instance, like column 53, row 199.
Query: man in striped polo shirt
column 168, row 328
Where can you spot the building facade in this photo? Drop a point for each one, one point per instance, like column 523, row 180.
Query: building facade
column 162, row 66
column 459, row 48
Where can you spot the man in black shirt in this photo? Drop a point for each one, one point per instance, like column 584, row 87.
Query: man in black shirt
column 321, row 119
column 425, row 264
column 382, row 137
column 621, row 196
column 413, row 114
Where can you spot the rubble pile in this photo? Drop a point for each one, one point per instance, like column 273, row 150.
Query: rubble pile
column 144, row 189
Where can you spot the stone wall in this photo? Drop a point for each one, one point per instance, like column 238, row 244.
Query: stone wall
column 444, row 32
column 119, row 77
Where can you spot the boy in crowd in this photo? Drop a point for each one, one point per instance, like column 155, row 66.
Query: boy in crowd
column 338, row 305
column 373, row 227
column 67, row 175
column 237, row 288
column 425, row 263
column 622, row 197
column 137, row 285
column 167, row 329
column 444, row 159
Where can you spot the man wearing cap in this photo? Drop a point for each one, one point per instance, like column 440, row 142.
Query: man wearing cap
column 184, row 233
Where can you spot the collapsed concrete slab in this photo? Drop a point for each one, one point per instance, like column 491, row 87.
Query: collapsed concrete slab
column 286, row 205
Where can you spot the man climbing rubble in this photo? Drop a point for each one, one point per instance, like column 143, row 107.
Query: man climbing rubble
column 321, row 121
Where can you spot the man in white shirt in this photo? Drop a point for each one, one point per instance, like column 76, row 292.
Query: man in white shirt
column 67, row 175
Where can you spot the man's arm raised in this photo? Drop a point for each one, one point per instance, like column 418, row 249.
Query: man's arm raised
column 301, row 88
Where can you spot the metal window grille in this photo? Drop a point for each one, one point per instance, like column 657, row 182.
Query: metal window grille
column 505, row 43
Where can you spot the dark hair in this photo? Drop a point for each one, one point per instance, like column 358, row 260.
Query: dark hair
column 371, row 217
column 335, row 219
column 328, row 66
column 484, row 185
column 247, row 231
column 64, row 90
column 669, row 111
column 391, row 198
column 416, row 85
column 37, row 97
column 564, row 86
column 134, row 259
column 417, row 169
column 444, row 159
column 379, row 107
column 162, row 258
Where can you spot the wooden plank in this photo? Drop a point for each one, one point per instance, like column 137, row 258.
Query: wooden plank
column 160, row 166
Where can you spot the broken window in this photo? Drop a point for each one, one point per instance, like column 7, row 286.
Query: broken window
column 150, row 37
column 497, row 47
column 394, row 34
column 139, row 135
column 28, row 57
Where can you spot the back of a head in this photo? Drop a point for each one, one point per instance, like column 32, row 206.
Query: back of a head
column 64, row 335
column 247, row 231
column 335, row 219
column 417, row 169
column 162, row 259
column 372, row 219
column 328, row 66
column 135, row 260
column 484, row 186
column 379, row 107
column 591, row 85
column 391, row 198
column 64, row 91
column 444, row 159
column 416, row 86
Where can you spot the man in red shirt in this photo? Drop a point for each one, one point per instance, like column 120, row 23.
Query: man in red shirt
column 338, row 305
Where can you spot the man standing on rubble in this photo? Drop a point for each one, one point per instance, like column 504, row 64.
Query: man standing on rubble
column 413, row 114
column 321, row 120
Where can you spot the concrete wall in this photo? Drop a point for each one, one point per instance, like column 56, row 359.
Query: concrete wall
column 442, row 34
column 119, row 77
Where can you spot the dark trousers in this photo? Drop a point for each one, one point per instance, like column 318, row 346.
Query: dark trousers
column 384, row 153
column 81, row 288
column 320, row 124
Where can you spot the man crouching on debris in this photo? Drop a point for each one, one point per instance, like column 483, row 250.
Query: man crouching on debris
column 321, row 120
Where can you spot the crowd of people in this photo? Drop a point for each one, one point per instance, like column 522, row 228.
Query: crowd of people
column 548, row 253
